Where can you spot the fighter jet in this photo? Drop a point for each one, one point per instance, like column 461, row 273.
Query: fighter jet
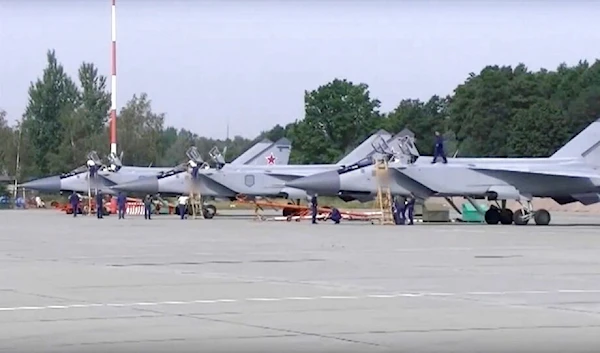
column 569, row 175
column 262, row 181
column 95, row 175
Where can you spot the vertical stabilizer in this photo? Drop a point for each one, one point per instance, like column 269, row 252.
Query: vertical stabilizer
column 278, row 153
column 365, row 149
column 251, row 152
column 584, row 145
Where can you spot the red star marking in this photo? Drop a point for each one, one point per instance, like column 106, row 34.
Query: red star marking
column 271, row 159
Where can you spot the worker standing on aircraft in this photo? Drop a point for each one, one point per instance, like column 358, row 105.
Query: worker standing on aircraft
column 99, row 204
column 313, row 208
column 74, row 201
column 410, row 206
column 121, row 204
column 147, row 207
column 439, row 148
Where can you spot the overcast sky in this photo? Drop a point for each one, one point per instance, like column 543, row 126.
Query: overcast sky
column 205, row 63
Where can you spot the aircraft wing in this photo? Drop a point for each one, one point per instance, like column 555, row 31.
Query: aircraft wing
column 211, row 184
column 584, row 173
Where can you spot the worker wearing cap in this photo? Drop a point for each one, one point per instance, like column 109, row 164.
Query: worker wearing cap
column 121, row 204
column 99, row 204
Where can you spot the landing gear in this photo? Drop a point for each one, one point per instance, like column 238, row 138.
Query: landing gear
column 506, row 216
column 495, row 215
column 492, row 215
column 541, row 217
column 209, row 211
column 521, row 217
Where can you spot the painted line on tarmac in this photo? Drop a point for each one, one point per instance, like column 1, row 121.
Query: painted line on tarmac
column 307, row 298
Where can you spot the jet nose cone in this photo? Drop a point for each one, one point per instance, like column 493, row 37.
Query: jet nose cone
column 327, row 183
column 146, row 185
column 48, row 184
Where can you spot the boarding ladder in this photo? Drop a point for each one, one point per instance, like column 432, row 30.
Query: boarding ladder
column 195, row 202
column 384, row 194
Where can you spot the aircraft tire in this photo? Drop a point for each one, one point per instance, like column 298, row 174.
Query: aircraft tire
column 492, row 215
column 541, row 217
column 518, row 218
column 506, row 216
column 209, row 211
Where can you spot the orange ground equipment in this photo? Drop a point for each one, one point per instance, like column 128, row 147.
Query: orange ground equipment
column 299, row 212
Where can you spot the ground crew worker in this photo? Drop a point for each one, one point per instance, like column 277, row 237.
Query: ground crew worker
column 335, row 215
column 74, row 201
column 396, row 211
column 99, row 206
column 147, row 207
column 410, row 206
column 121, row 204
column 313, row 208
column 181, row 204
column 438, row 150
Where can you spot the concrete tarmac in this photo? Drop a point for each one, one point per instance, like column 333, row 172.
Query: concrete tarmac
column 238, row 285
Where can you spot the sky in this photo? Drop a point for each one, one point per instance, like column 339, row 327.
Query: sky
column 206, row 64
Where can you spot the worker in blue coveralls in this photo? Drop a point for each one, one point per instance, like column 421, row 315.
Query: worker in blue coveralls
column 148, row 207
column 439, row 148
column 74, row 201
column 335, row 215
column 99, row 204
column 121, row 204
column 313, row 208
column 410, row 207
column 398, row 211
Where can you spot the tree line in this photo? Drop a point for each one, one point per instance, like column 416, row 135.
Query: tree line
column 502, row 111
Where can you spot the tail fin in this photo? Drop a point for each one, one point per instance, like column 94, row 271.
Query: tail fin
column 365, row 149
column 277, row 153
column 584, row 145
column 251, row 152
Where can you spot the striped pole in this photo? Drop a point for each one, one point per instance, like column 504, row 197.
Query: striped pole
column 113, row 93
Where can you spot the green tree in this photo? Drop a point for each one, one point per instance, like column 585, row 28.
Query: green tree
column 338, row 116
column 84, row 125
column 7, row 150
column 423, row 119
column 140, row 132
column 49, row 98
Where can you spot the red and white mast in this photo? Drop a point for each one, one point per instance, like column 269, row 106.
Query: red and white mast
column 113, row 83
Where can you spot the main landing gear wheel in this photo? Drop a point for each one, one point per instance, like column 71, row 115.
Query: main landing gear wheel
column 521, row 217
column 506, row 216
column 495, row 215
column 209, row 211
column 541, row 217
column 492, row 215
